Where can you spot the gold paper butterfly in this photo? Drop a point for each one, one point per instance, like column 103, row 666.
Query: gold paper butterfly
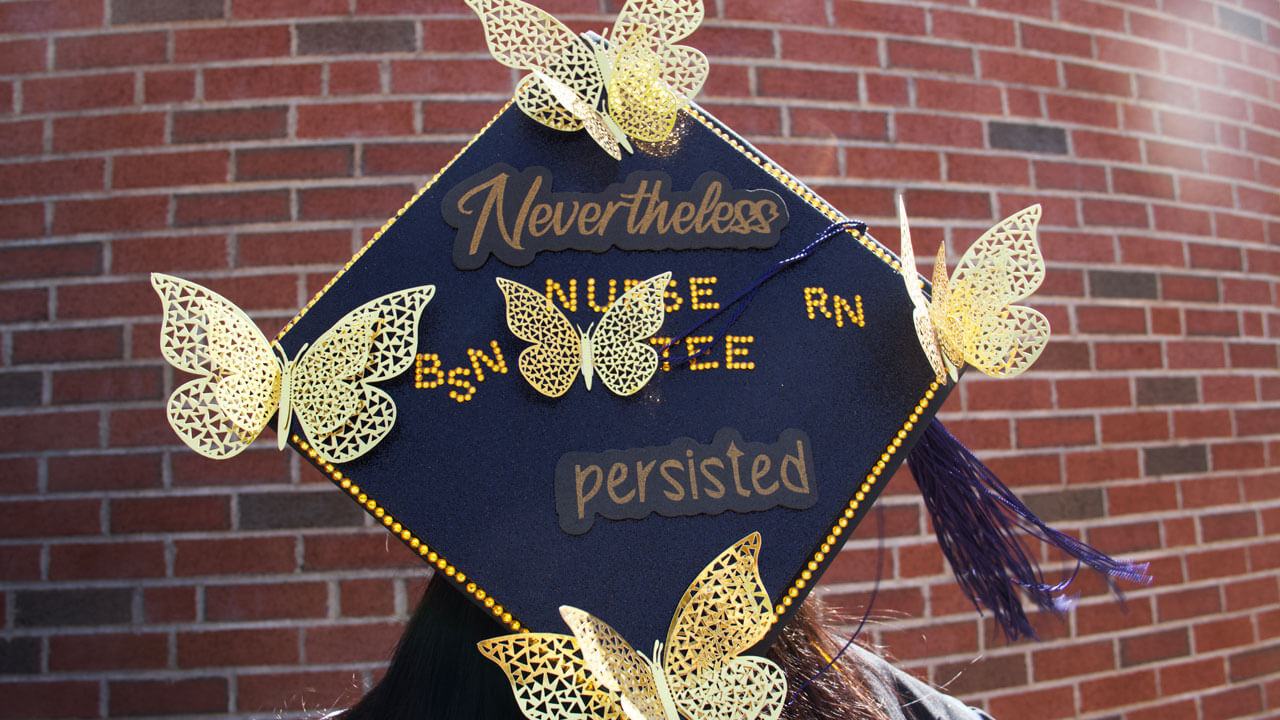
column 972, row 318
column 647, row 77
column 616, row 349
column 243, row 379
column 698, row 673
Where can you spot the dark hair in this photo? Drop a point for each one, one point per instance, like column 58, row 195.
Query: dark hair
column 437, row 674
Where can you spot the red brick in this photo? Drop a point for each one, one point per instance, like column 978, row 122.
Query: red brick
column 988, row 169
column 808, row 84
column 169, row 86
column 1093, row 393
column 223, row 648
column 886, row 89
column 234, row 124
column 367, row 597
column 977, row 29
column 56, row 698
column 1255, row 593
column 106, row 561
column 1109, row 616
column 52, row 94
column 353, row 202
column 932, row 129
column 170, row 169
column 234, row 556
column 936, row 640
column 24, row 305
column 334, row 551
column 788, row 13
column 37, row 16
column 106, row 132
column 52, row 177
column 268, row 601
column 1188, row 424
column 1111, row 319
column 21, row 138
column 77, row 473
column 352, row 643
column 819, row 122
column 1233, row 703
column 232, row 208
column 20, row 562
column 875, row 17
column 48, row 431
column 1213, row 322
column 1187, row 355
column 170, row 514
column 128, row 213
column 238, row 42
column 1083, row 658
column 173, row 253
column 51, row 260
column 115, row 50
column 1011, row 394
column 929, row 56
column 168, row 697
column 1106, row 146
column 107, row 384
column 1215, row 257
column 1189, row 287
column 415, row 158
column 1252, row 355
column 169, row 604
column 325, row 161
column 1128, row 355
column 355, row 119
column 733, row 81
column 139, row 427
column 449, row 76
column 1017, row 68
column 1055, row 432
column 291, row 8
column 251, row 467
column 21, row 57
column 100, row 300
column 819, row 48
column 1058, row 702
column 1118, row 689
column 298, row 691
column 276, row 80
column 109, row 651
column 285, row 248
column 896, row 164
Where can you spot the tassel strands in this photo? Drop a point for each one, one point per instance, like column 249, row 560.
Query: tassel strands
column 977, row 519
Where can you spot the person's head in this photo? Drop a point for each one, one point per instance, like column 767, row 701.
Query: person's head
column 437, row 673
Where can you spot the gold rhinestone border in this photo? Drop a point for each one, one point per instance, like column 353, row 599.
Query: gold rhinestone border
column 461, row 579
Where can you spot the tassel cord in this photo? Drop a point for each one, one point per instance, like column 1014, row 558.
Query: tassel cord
column 745, row 297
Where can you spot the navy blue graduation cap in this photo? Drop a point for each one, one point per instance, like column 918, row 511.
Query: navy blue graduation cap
column 611, row 339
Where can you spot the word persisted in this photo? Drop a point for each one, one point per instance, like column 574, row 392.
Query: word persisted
column 685, row 478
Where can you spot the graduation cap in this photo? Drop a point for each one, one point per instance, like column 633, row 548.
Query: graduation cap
column 613, row 357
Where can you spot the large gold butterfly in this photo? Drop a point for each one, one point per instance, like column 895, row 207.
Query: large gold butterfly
column 647, row 77
column 616, row 350
column 243, row 379
column 698, row 673
column 972, row 318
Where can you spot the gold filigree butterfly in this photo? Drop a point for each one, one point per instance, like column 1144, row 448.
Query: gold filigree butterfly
column 243, row 379
column 972, row 318
column 699, row 673
column 616, row 350
column 647, row 77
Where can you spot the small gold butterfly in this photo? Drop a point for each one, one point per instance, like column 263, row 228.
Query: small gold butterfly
column 616, row 350
column 648, row 78
column 972, row 318
column 243, row 379
column 698, row 673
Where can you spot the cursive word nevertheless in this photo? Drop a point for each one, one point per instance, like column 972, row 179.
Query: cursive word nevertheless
column 515, row 215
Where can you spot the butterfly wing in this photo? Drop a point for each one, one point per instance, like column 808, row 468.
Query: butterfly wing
column 342, row 415
column 221, row 412
column 725, row 611
column 925, row 331
column 615, row 665
column 588, row 117
column 552, row 362
column 620, row 355
column 1003, row 266
column 653, row 78
column 549, row 679
column 525, row 37
column 743, row 688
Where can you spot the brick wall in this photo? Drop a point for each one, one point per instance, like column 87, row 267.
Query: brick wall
column 227, row 139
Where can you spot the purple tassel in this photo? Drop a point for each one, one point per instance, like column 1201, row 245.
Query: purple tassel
column 976, row 518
